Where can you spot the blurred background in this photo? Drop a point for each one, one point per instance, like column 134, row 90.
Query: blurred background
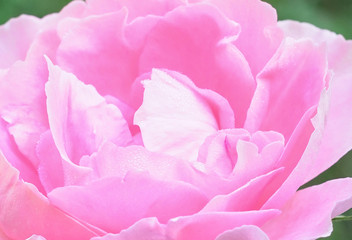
column 333, row 15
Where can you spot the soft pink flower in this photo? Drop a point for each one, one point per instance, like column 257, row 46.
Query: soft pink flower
column 171, row 120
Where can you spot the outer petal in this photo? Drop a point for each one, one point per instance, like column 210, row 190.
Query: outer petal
column 287, row 87
column 181, row 110
column 308, row 214
column 249, row 197
column 135, row 8
column 196, row 41
column 8, row 147
column 80, row 119
column 332, row 136
column 127, row 200
column 247, row 232
column 260, row 36
column 16, row 37
column 94, row 49
column 24, row 211
column 145, row 229
column 22, row 104
column 207, row 226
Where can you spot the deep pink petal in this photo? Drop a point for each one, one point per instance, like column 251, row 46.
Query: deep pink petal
column 207, row 226
column 287, row 87
column 127, row 200
column 247, row 232
column 24, row 211
column 80, row 119
column 308, row 214
column 145, row 229
column 196, row 41
column 186, row 113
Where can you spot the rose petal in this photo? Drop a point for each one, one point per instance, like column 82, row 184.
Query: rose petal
column 22, row 104
column 145, row 229
column 80, row 119
column 247, row 232
column 111, row 160
column 186, row 113
column 19, row 200
column 8, row 147
column 196, row 41
column 135, row 8
column 36, row 237
column 308, row 214
column 246, row 198
column 94, row 49
column 293, row 78
column 56, row 172
column 260, row 35
column 207, row 226
column 16, row 37
column 127, row 200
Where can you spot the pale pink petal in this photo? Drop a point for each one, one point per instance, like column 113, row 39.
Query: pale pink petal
column 186, row 113
column 207, row 226
column 260, row 36
column 247, row 232
column 325, row 146
column 16, row 37
column 80, row 119
column 24, row 211
column 135, row 8
column 95, row 50
column 22, row 104
column 145, row 229
column 56, row 172
column 36, row 237
column 287, row 87
column 111, row 160
column 127, row 200
column 196, row 40
column 338, row 49
column 308, row 214
column 246, row 198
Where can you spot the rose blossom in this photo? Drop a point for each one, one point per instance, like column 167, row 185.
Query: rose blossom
column 171, row 120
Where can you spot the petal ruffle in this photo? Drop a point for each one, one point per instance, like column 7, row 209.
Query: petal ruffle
column 196, row 40
column 307, row 215
column 247, row 232
column 24, row 211
column 186, row 113
column 127, row 200
column 80, row 119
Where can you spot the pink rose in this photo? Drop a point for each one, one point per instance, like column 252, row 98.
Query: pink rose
column 171, row 120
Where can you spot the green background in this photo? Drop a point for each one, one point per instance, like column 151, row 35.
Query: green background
column 335, row 15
